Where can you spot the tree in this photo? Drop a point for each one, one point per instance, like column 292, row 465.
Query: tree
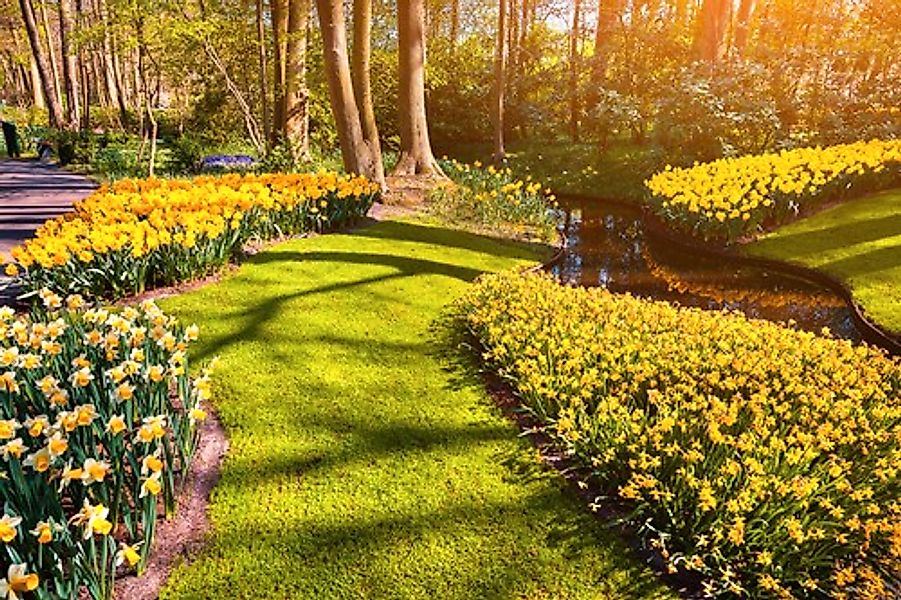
column 362, row 86
column 500, row 82
column 575, row 107
column 713, row 21
column 416, row 156
column 295, row 126
column 55, row 113
column 742, row 23
column 70, row 64
column 360, row 155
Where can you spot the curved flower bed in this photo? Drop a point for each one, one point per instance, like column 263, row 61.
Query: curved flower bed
column 764, row 459
column 138, row 234
column 98, row 423
column 734, row 197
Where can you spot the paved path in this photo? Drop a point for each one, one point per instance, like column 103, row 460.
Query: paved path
column 31, row 193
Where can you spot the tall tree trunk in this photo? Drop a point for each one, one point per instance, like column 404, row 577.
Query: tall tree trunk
column 416, row 156
column 108, row 60
column 296, row 92
column 264, row 71
column 280, row 39
column 44, row 23
column 43, row 68
column 359, row 156
column 455, row 23
column 70, row 64
column 500, row 83
column 575, row 107
column 743, row 18
column 362, row 84
column 713, row 21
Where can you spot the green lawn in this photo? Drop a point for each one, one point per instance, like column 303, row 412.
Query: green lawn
column 859, row 242
column 363, row 464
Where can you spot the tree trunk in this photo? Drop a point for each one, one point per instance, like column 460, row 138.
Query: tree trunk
column 70, row 64
column 713, row 22
column 455, row 23
column 362, row 84
column 51, row 50
column 416, row 156
column 280, row 39
column 296, row 92
column 741, row 26
column 500, row 83
column 264, row 71
column 41, row 64
column 575, row 107
column 359, row 156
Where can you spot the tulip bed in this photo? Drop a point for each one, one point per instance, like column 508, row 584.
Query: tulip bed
column 763, row 459
column 731, row 198
column 138, row 234
column 98, row 423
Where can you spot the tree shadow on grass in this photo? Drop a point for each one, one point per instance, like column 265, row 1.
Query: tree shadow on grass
column 829, row 239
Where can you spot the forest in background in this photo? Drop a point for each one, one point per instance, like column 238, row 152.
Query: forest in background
column 688, row 80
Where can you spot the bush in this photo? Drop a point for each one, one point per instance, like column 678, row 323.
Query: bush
column 494, row 199
column 733, row 197
column 98, row 423
column 136, row 234
column 186, row 155
column 764, row 459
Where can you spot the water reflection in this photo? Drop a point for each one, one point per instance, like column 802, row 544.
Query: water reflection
column 609, row 247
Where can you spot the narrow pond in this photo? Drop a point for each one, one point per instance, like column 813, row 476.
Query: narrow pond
column 609, row 246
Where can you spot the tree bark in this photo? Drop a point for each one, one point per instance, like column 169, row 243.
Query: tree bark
column 713, row 21
column 263, row 70
column 359, row 156
column 280, row 39
column 416, row 156
column 43, row 68
column 361, row 80
column 743, row 18
column 455, row 23
column 575, row 107
column 44, row 23
column 70, row 64
column 296, row 126
column 500, row 83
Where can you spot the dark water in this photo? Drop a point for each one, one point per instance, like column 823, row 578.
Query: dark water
column 609, row 247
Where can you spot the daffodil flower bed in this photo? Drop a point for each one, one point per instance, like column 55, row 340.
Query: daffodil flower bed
column 98, row 423
column 763, row 459
column 138, row 234
column 731, row 198
column 493, row 198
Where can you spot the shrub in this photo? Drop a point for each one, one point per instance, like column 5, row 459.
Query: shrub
column 764, row 459
column 494, row 199
column 734, row 197
column 136, row 234
column 98, row 423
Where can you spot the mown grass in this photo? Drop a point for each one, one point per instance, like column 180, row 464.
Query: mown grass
column 363, row 462
column 859, row 242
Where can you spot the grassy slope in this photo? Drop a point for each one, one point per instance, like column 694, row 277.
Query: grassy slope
column 361, row 466
column 859, row 242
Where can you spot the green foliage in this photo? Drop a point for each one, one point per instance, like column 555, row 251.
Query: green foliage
column 186, row 153
column 859, row 242
column 352, row 474
column 760, row 458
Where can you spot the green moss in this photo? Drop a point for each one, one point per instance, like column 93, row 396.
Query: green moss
column 362, row 463
column 859, row 242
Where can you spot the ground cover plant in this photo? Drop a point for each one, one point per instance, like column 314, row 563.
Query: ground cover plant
column 731, row 198
column 137, row 234
column 495, row 199
column 98, row 423
column 859, row 242
column 764, row 459
column 362, row 463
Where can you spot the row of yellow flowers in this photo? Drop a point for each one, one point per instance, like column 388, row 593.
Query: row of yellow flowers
column 137, row 234
column 734, row 197
column 493, row 198
column 763, row 459
column 98, row 423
